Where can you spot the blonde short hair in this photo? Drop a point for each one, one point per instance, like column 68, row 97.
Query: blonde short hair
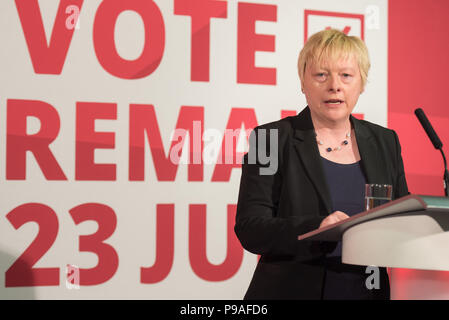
column 334, row 44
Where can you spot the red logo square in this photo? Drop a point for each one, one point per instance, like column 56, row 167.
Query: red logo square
column 349, row 23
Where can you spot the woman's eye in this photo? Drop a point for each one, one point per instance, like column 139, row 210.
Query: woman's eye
column 346, row 75
column 320, row 76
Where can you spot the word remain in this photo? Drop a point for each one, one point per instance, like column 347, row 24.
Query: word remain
column 189, row 133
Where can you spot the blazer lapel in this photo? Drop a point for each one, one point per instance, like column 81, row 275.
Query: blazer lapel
column 372, row 164
column 305, row 144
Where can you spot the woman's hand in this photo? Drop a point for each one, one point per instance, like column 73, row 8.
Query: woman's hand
column 334, row 217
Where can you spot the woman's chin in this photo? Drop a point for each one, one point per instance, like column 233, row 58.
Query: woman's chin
column 337, row 114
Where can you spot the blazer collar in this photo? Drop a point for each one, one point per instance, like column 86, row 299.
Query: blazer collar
column 307, row 149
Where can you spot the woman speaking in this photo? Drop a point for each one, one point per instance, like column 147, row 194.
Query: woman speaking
column 325, row 158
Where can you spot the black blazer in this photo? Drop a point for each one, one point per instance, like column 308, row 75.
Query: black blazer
column 274, row 209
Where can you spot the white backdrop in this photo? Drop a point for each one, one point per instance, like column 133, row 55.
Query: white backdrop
column 32, row 188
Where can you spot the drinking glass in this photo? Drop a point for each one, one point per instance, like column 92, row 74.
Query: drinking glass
column 377, row 194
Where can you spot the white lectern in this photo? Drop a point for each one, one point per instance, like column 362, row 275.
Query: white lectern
column 410, row 233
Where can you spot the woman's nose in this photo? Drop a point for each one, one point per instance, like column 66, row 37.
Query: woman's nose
column 334, row 84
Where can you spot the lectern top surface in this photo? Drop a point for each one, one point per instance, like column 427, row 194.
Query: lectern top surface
column 410, row 203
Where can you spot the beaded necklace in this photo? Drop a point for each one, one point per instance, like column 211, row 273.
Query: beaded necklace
column 343, row 143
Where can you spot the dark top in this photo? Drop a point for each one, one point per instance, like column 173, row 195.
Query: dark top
column 346, row 183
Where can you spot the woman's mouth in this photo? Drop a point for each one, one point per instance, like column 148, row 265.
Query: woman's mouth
column 333, row 102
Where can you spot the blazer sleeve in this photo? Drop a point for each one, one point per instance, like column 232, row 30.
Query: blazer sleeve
column 258, row 226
